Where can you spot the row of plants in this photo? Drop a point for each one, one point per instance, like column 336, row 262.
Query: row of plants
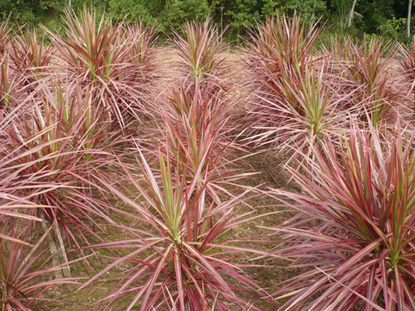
column 104, row 131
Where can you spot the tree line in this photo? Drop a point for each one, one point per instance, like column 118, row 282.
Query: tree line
column 388, row 18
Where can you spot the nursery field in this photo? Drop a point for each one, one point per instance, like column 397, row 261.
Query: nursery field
column 192, row 175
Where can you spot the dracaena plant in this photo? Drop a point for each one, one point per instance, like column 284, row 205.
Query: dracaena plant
column 6, row 77
column 4, row 36
column 99, row 54
column 278, row 43
column 145, row 59
column 201, row 53
column 76, row 108
column 376, row 93
column 407, row 60
column 4, row 84
column 54, row 150
column 143, row 51
column 198, row 104
column 31, row 57
column 278, row 55
column 195, row 129
column 407, row 64
column 173, row 306
column 12, row 204
column 11, row 86
column 335, row 48
column 180, row 243
column 353, row 235
column 16, row 206
column 308, row 116
column 22, row 282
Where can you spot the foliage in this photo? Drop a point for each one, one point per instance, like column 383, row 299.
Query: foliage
column 407, row 64
column 395, row 28
column 281, row 42
column 31, row 58
column 53, row 153
column 12, row 84
column 12, row 205
column 144, row 11
column 292, row 99
column 244, row 13
column 93, row 135
column 186, row 236
column 4, row 36
column 310, row 10
column 353, row 233
column 7, row 85
column 308, row 116
column 201, row 52
column 195, row 131
column 143, row 47
column 20, row 286
column 202, row 64
column 407, row 61
column 179, row 11
column 367, row 76
column 195, row 112
column 166, row 14
column 376, row 17
column 98, row 56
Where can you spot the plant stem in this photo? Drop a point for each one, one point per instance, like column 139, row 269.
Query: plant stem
column 57, row 254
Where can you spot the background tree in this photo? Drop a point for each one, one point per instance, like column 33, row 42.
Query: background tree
column 409, row 18
column 387, row 18
column 351, row 14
